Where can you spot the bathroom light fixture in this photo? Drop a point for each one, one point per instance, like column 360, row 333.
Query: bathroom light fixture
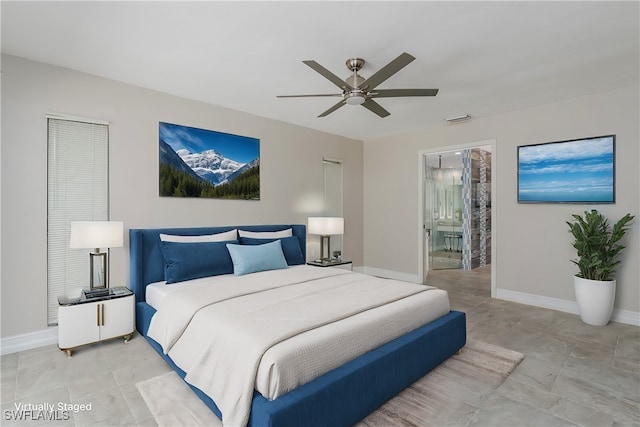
column 458, row 119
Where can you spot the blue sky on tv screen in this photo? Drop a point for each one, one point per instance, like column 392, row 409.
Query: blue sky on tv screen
column 242, row 149
column 572, row 171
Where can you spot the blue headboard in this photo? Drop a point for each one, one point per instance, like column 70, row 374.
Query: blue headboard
column 145, row 258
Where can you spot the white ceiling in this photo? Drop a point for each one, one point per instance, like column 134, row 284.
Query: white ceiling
column 485, row 57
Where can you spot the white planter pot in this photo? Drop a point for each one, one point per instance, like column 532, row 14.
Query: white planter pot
column 595, row 300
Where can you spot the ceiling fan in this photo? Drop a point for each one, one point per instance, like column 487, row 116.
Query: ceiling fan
column 356, row 90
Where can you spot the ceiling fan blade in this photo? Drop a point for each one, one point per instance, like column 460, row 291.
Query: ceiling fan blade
column 304, row 96
column 387, row 71
column 328, row 75
column 390, row 93
column 334, row 108
column 373, row 106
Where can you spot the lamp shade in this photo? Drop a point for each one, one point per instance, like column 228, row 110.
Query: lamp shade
column 326, row 225
column 96, row 234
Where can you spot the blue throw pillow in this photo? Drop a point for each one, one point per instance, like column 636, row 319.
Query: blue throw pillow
column 290, row 247
column 186, row 261
column 253, row 258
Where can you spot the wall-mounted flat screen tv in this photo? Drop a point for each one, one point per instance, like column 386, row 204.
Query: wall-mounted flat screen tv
column 576, row 171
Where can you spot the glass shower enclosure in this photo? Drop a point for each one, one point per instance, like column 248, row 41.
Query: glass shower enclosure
column 443, row 215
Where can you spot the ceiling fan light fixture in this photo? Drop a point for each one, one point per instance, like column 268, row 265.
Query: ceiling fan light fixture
column 354, row 98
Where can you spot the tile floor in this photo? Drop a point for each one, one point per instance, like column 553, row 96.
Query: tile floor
column 445, row 259
column 573, row 374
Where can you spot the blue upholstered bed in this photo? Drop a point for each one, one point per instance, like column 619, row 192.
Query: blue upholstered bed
column 340, row 397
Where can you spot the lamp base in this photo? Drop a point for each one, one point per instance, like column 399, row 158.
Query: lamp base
column 98, row 268
column 328, row 257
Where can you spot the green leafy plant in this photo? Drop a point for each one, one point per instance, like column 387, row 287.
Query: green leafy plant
column 597, row 244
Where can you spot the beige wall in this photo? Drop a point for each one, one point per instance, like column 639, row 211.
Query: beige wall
column 533, row 244
column 291, row 173
column 532, row 241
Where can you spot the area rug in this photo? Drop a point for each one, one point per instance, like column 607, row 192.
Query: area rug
column 448, row 395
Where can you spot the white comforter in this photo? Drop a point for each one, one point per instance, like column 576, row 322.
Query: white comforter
column 219, row 339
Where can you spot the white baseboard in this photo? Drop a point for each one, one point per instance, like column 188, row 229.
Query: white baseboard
column 622, row 316
column 16, row 343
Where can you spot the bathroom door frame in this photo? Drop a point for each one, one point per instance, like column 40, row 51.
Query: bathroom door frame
column 421, row 177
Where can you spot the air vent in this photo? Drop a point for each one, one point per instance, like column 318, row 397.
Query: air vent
column 458, row 119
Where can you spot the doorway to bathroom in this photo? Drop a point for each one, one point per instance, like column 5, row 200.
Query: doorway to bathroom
column 456, row 208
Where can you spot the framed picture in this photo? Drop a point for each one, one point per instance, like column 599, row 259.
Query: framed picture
column 204, row 163
column 576, row 171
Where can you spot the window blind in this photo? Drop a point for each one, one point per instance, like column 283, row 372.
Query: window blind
column 77, row 190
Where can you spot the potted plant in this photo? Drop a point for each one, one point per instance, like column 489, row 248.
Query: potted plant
column 598, row 247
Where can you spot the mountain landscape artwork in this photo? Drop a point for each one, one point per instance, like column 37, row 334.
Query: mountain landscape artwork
column 203, row 163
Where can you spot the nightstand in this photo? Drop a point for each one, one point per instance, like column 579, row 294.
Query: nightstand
column 84, row 320
column 343, row 264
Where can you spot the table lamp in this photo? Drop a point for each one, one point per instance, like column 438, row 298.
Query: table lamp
column 325, row 227
column 96, row 235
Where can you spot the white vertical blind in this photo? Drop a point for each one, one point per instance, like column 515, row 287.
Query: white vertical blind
column 333, row 197
column 77, row 190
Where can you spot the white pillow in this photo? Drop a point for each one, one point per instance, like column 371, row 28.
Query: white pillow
column 219, row 237
column 266, row 234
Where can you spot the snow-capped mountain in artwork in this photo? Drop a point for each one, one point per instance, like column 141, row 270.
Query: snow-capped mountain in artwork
column 244, row 168
column 169, row 157
column 210, row 165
